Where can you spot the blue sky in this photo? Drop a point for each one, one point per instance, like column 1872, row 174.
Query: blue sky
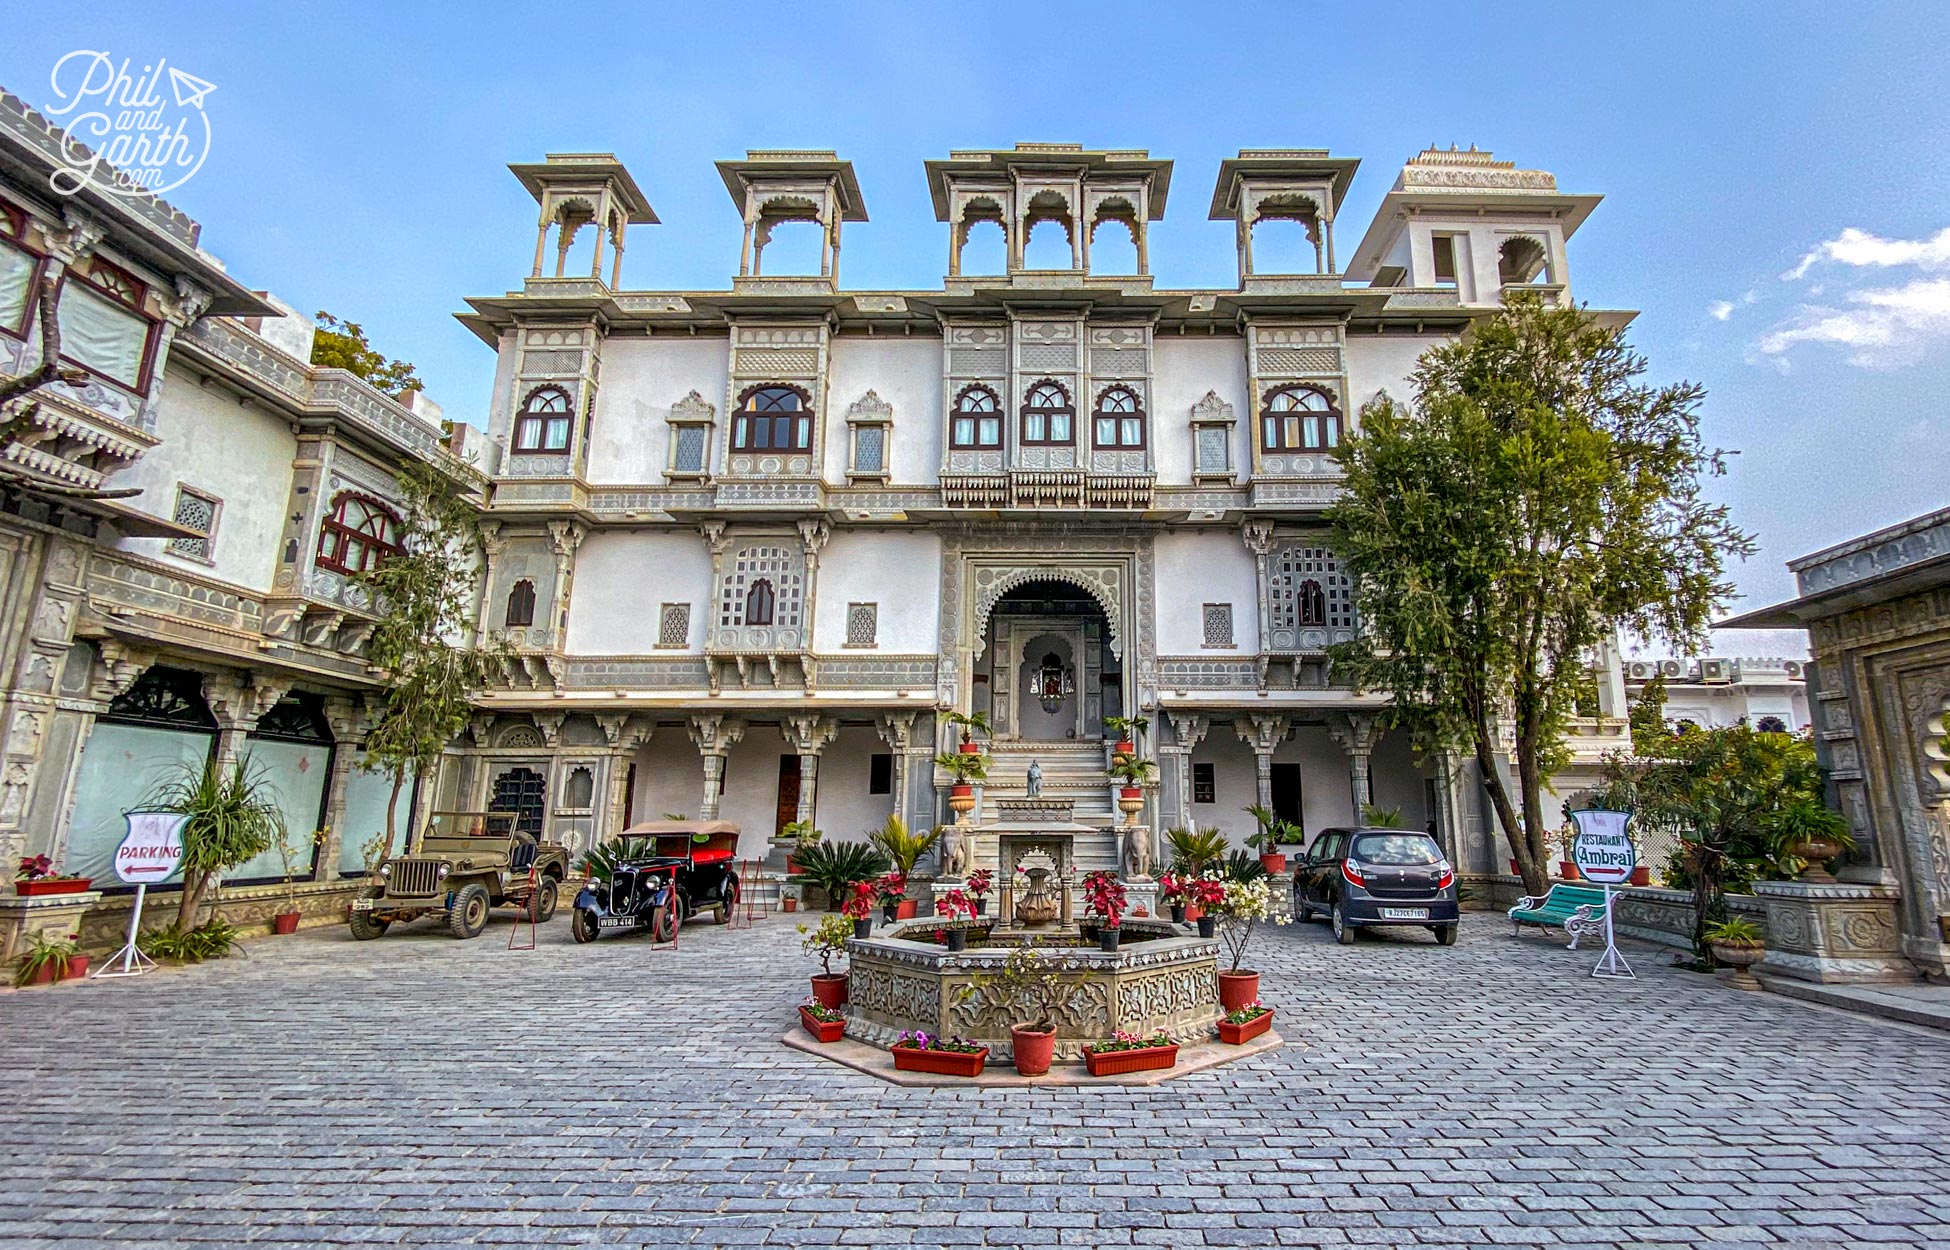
column 358, row 154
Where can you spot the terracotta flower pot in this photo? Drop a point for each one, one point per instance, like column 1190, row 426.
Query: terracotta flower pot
column 47, row 974
column 52, row 885
column 1113, row 1062
column 829, row 990
column 284, row 923
column 1568, row 870
column 969, row 747
column 77, row 968
column 1193, row 911
column 1273, row 861
column 1033, row 1050
column 1124, row 747
column 961, row 799
column 1131, row 792
column 788, row 903
column 824, row 1030
column 1235, row 1034
column 907, row 910
column 944, row 1062
column 1237, row 990
column 1642, row 875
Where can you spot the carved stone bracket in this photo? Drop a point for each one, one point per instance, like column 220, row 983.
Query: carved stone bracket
column 625, row 732
column 549, row 725
column 120, row 665
column 809, row 734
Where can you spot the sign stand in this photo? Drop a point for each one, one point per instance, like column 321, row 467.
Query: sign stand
column 1606, row 855
column 150, row 851
column 129, row 961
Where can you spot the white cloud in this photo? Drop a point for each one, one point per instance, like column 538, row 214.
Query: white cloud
column 1860, row 249
column 1879, row 327
column 1719, row 310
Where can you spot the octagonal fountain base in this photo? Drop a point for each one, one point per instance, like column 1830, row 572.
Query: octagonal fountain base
column 1159, row 978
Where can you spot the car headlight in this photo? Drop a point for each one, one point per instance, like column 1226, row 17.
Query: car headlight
column 445, row 869
column 385, row 871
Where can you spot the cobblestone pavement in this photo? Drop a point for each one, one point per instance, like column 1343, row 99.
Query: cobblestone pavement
column 422, row 1091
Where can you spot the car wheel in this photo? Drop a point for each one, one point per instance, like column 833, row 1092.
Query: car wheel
column 467, row 915
column 1445, row 934
column 366, row 926
column 546, row 895
column 582, row 925
column 664, row 922
column 1343, row 931
column 730, row 903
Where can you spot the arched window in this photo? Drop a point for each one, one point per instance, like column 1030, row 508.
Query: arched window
column 1118, row 423
column 1048, row 416
column 1308, row 590
column 357, row 535
column 543, row 425
column 1771, row 725
column 977, row 421
column 772, row 418
column 758, row 602
column 1312, row 603
column 1299, row 418
column 521, row 604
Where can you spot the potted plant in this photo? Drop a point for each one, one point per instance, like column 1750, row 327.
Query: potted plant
column 1268, row 837
column 50, row 959
column 1195, row 851
column 1567, row 867
column 978, row 885
column 1738, row 943
column 828, row 1024
column 1127, row 1052
column 1242, row 905
column 1813, row 834
column 1133, row 774
column 1245, row 1023
column 801, row 834
column 891, row 889
column 954, row 907
column 1173, row 893
column 823, row 941
column 1205, row 893
column 969, row 725
column 903, row 850
column 966, row 768
column 836, row 866
column 291, row 854
column 1103, row 897
column 859, row 908
column 1127, row 729
column 948, row 1056
column 1031, row 991
column 36, row 875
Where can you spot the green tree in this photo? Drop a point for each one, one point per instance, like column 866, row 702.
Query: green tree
column 233, row 818
column 421, row 641
column 1647, row 716
column 1536, row 498
column 342, row 345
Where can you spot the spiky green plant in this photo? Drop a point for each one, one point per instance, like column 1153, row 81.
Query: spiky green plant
column 233, row 817
column 1381, row 817
column 966, row 769
column 903, row 847
column 835, row 866
column 1195, row 851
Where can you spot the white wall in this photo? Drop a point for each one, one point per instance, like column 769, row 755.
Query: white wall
column 629, row 440
column 1197, row 567
column 239, row 454
column 1383, row 362
column 622, row 578
column 845, row 810
column 906, row 372
column 899, row 571
column 1183, row 369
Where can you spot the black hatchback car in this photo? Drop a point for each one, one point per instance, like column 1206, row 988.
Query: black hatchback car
column 1363, row 877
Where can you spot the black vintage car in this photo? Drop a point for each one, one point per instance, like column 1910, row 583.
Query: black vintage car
column 1361, row 878
column 658, row 875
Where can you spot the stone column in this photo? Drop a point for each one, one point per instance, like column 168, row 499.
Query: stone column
column 625, row 734
column 809, row 734
column 1263, row 732
column 45, row 598
column 1357, row 733
column 239, row 701
column 714, row 735
column 347, row 719
column 1175, row 776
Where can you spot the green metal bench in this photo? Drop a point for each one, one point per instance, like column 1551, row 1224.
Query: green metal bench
column 1579, row 910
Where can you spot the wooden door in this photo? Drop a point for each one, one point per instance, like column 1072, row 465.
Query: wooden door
column 1286, row 792
column 788, row 793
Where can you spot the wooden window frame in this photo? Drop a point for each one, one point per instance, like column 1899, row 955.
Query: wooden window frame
column 746, row 421
column 975, row 417
column 527, row 620
column 754, row 602
column 131, row 300
column 535, row 422
column 13, row 230
column 1100, row 413
column 341, row 535
column 1067, row 409
column 1333, row 426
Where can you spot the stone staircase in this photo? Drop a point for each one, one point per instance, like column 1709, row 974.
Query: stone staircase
column 1071, row 770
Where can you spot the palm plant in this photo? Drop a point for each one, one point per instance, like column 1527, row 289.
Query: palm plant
column 600, row 861
column 1242, row 867
column 233, row 817
column 970, row 724
column 1132, row 771
column 903, row 847
column 1127, row 727
column 1195, row 851
column 1381, row 817
column 835, row 866
column 966, row 769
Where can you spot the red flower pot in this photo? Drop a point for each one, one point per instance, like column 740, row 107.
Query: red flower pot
column 824, row 1030
column 1568, row 870
column 1131, row 792
column 788, row 903
column 1642, row 875
column 1234, row 1034
column 77, row 968
column 284, row 923
column 944, row 1062
column 52, row 885
column 908, row 909
column 1273, row 861
column 47, row 974
column 1237, row 990
column 830, row 990
column 1124, row 747
column 1192, row 912
column 969, row 748
column 1034, row 1050
column 791, row 865
column 1112, row 1062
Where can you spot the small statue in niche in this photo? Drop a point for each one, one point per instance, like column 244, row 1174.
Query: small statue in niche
column 1035, row 781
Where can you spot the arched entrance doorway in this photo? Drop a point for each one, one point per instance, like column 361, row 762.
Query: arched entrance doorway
column 1047, row 671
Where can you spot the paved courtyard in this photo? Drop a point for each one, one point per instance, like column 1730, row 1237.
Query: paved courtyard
column 422, row 1091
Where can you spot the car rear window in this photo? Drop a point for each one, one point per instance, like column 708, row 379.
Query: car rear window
column 1395, row 848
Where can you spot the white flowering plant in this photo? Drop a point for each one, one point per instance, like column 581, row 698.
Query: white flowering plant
column 1245, row 905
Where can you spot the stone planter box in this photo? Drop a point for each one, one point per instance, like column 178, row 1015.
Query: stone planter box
column 1832, row 931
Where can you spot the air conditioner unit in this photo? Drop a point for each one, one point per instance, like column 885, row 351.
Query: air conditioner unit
column 1793, row 669
column 1671, row 668
column 1640, row 670
column 1716, row 672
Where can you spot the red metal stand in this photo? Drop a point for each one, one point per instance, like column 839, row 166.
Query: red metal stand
column 528, row 915
column 749, row 907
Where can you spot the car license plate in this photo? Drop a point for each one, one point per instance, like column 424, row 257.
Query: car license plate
column 364, row 904
column 1404, row 913
column 616, row 922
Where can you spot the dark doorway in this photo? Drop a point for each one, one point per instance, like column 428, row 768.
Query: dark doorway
column 788, row 793
column 1286, row 792
column 523, row 792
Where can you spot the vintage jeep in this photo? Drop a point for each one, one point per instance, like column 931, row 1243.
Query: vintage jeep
column 467, row 862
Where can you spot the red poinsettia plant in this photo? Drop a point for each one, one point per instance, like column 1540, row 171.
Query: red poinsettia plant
column 1206, row 891
column 892, row 887
column 1173, row 889
column 1103, row 897
column 860, row 906
column 34, row 868
column 980, row 882
column 954, row 905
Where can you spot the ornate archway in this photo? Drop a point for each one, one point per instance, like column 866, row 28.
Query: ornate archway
column 1104, row 583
